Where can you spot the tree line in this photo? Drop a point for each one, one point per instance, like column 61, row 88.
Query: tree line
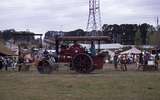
column 127, row 34
column 132, row 34
column 9, row 34
column 22, row 38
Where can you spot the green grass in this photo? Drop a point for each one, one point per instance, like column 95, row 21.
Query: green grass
column 110, row 85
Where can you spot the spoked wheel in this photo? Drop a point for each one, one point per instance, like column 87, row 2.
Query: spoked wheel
column 83, row 63
column 44, row 67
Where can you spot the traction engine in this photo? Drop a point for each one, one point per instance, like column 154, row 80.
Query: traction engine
column 79, row 59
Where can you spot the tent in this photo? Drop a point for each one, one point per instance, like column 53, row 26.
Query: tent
column 105, row 46
column 132, row 51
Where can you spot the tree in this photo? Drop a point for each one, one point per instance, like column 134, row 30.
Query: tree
column 158, row 28
column 1, row 35
column 113, row 31
column 154, row 38
column 105, row 29
column 138, row 38
column 128, row 32
column 78, row 32
column 8, row 34
column 124, row 33
column 144, row 30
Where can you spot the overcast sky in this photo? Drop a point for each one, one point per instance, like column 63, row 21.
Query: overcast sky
column 40, row 16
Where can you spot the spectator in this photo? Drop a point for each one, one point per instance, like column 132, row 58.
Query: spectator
column 141, row 59
column 156, row 61
column 115, row 61
column 140, row 62
column 1, row 62
column 5, row 62
column 137, row 62
column 14, row 64
column 123, row 61
column 20, row 62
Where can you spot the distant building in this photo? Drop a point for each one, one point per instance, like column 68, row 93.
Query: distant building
column 52, row 34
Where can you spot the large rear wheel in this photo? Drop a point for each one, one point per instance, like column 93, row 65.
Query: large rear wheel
column 83, row 63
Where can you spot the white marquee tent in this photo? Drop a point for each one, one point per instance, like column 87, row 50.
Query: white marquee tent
column 132, row 51
column 105, row 46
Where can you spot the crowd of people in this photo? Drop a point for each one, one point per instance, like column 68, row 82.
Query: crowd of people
column 120, row 60
column 14, row 63
column 141, row 60
column 6, row 62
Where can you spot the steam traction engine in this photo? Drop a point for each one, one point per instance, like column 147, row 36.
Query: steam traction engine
column 78, row 58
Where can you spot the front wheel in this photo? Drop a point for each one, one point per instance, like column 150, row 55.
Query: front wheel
column 44, row 67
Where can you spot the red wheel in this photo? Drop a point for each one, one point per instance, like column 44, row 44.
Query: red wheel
column 83, row 63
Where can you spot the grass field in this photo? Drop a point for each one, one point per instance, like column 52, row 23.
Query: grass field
column 102, row 85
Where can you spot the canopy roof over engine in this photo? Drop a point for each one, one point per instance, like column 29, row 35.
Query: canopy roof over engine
column 84, row 38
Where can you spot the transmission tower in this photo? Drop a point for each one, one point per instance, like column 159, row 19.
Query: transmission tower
column 94, row 18
column 157, row 22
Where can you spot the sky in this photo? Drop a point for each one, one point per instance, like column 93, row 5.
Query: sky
column 40, row 16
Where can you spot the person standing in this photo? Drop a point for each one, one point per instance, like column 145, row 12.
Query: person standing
column 115, row 61
column 123, row 61
column 20, row 62
column 146, row 58
column 6, row 61
column 14, row 63
column 156, row 61
column 1, row 62
column 137, row 62
column 140, row 60
column 93, row 49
